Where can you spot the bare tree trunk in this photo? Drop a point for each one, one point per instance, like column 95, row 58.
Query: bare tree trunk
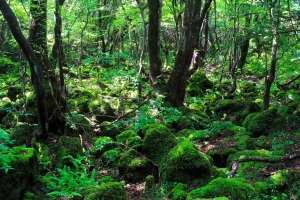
column 35, row 68
column 269, row 80
column 155, row 7
column 176, row 85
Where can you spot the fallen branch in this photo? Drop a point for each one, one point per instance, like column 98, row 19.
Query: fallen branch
column 269, row 160
column 289, row 82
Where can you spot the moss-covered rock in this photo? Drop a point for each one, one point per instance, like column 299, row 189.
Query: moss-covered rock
column 107, row 191
column 81, row 123
column 220, row 155
column 131, row 139
column 101, row 110
column 200, row 135
column 235, row 188
column 111, row 157
column 179, row 192
column 157, row 142
column 10, row 120
column 101, row 145
column 138, row 169
column 68, row 146
column 235, row 110
column 14, row 92
column 20, row 133
column 190, row 119
column 198, row 84
column 185, row 164
column 110, row 130
column 5, row 106
column 265, row 122
column 251, row 168
column 14, row 182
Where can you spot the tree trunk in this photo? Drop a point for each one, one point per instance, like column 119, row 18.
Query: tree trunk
column 178, row 80
column 269, row 80
column 154, row 39
column 35, row 68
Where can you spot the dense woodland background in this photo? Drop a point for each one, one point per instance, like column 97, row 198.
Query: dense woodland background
column 158, row 99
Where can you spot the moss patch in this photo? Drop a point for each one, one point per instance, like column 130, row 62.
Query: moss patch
column 109, row 191
column 157, row 142
column 265, row 122
column 14, row 182
column 235, row 110
column 186, row 164
column 236, row 188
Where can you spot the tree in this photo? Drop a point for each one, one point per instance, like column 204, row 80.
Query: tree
column 35, row 68
column 193, row 20
column 155, row 7
column 270, row 79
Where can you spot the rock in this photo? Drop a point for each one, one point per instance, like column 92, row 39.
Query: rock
column 14, row 182
column 185, row 163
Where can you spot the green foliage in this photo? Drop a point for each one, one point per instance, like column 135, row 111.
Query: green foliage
column 5, row 158
column 102, row 144
column 69, row 182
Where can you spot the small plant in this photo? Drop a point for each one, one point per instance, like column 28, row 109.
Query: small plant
column 68, row 182
column 5, row 159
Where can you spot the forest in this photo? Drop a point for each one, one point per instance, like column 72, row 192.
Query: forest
column 149, row 99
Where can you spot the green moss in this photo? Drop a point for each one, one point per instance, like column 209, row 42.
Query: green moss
column 111, row 157
column 107, row 191
column 235, row 188
column 81, row 123
column 185, row 164
column 82, row 104
column 10, row 120
column 68, row 146
column 235, row 110
column 31, row 196
column 198, row 84
column 126, row 136
column 200, row 135
column 14, row 92
column 101, row 110
column 5, row 106
column 102, row 144
column 250, row 169
column 157, row 142
column 265, row 122
column 138, row 169
column 179, row 192
column 14, row 182
column 110, row 130
column 184, row 133
column 281, row 177
column 20, row 133
column 243, row 142
column 220, row 155
column 223, row 172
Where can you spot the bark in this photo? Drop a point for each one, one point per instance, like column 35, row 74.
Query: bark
column 176, row 85
column 154, row 39
column 35, row 68
column 269, row 80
